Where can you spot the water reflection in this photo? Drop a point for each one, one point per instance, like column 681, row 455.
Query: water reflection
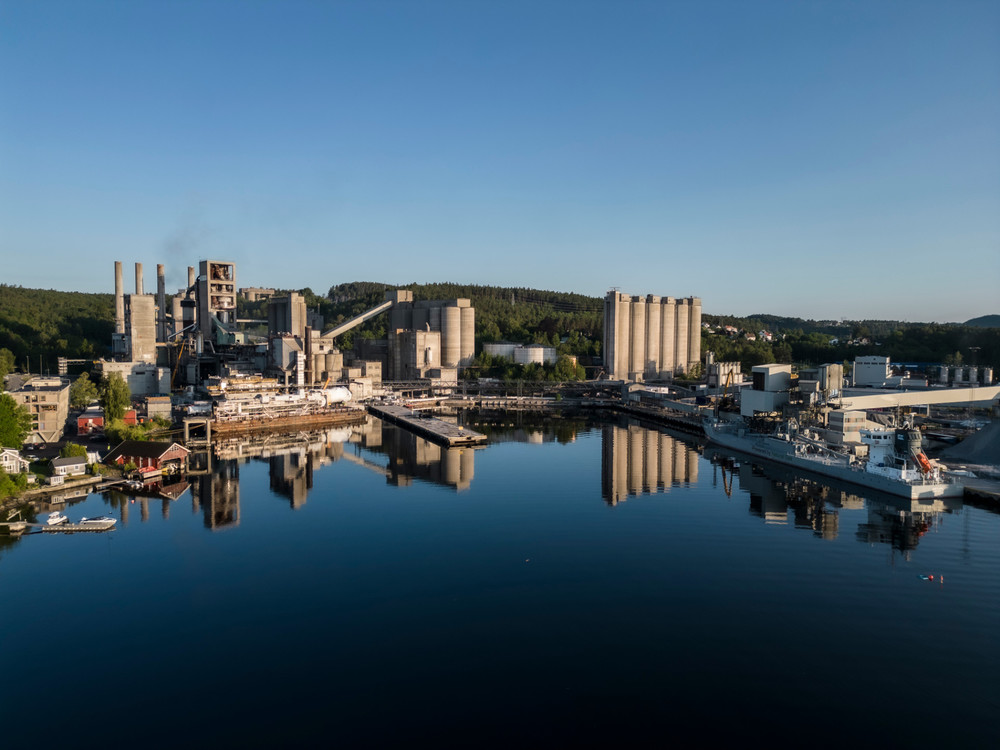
column 635, row 460
column 779, row 496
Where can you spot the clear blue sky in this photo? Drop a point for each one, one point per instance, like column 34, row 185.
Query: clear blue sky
column 819, row 159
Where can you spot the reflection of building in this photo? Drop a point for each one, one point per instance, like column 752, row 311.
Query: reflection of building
column 636, row 460
column 217, row 495
column 413, row 457
column 900, row 523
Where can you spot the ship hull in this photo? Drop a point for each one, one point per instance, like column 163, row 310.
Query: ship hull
column 782, row 452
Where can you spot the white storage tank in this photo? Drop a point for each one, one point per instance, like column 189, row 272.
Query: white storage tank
column 451, row 335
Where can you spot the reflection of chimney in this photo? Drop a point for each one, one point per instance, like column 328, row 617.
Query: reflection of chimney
column 138, row 278
column 119, row 299
column 161, row 302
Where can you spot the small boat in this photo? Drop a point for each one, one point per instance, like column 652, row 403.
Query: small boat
column 55, row 518
column 103, row 522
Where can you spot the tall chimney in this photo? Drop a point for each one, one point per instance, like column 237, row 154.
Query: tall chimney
column 138, row 278
column 119, row 299
column 190, row 276
column 161, row 302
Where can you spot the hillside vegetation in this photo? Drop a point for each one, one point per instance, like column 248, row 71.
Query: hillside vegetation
column 48, row 323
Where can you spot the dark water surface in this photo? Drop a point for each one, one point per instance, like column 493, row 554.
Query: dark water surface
column 578, row 585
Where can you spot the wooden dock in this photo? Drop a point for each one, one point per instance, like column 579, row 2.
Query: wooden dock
column 73, row 528
column 434, row 429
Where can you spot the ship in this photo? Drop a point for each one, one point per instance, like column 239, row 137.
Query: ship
column 895, row 462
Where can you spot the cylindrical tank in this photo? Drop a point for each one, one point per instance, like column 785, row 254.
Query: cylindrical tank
column 694, row 330
column 668, row 325
column 119, row 299
column 970, row 375
column 334, row 365
column 653, row 321
column 943, row 374
column 623, row 325
column 637, row 337
column 987, row 376
column 681, row 335
column 434, row 316
column 468, row 342
column 451, row 335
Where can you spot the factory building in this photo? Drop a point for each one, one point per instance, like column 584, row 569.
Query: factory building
column 429, row 338
column 650, row 338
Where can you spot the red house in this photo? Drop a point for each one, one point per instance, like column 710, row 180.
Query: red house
column 92, row 420
column 148, row 455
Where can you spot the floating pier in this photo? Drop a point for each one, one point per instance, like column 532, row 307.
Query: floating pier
column 429, row 427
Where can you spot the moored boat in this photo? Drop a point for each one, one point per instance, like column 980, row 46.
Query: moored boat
column 56, row 518
column 894, row 463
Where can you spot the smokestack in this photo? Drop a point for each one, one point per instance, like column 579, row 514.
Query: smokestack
column 190, row 277
column 161, row 301
column 119, row 299
column 138, row 278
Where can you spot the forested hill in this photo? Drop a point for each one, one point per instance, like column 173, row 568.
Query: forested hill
column 502, row 313
column 48, row 324
column 984, row 321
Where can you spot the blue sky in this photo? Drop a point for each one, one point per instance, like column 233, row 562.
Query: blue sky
column 819, row 159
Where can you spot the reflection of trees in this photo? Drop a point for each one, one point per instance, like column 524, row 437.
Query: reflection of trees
column 635, row 460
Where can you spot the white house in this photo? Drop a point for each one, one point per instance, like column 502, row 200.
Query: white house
column 69, row 467
column 12, row 462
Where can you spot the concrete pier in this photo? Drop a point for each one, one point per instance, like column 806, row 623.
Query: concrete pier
column 429, row 427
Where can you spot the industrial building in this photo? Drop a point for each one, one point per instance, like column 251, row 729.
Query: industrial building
column 200, row 338
column 650, row 338
column 47, row 401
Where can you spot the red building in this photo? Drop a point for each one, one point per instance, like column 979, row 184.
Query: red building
column 92, row 420
column 149, row 455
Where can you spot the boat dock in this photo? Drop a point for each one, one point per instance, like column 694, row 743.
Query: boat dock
column 434, row 429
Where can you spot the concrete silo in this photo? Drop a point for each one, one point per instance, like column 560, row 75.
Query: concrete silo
column 653, row 321
column 637, row 339
column 668, row 323
column 451, row 334
column 468, row 343
column 681, row 335
column 694, row 331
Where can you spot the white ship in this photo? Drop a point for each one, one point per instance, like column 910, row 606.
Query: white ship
column 895, row 462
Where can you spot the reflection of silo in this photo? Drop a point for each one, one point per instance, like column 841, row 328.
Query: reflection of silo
column 467, row 346
column 668, row 362
column 692, row 466
column 637, row 340
column 651, row 467
column 451, row 335
column 468, row 466
column 653, row 320
column 119, row 299
column 621, row 463
column 452, row 464
column 680, row 461
column 694, row 331
column 666, row 460
column 681, row 335
column 635, row 456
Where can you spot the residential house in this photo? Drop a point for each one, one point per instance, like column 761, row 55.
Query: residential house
column 158, row 456
column 72, row 466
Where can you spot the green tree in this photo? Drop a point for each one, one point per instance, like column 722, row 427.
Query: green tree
column 15, row 422
column 115, row 397
column 73, row 449
column 6, row 364
column 82, row 392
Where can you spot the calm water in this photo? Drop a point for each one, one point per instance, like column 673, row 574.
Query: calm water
column 570, row 584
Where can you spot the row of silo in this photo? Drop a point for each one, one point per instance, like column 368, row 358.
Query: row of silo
column 647, row 338
column 455, row 320
column 965, row 375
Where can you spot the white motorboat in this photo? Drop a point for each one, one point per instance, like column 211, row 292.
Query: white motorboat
column 98, row 522
column 56, row 518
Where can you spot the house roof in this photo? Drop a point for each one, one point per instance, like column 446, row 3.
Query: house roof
column 70, row 461
column 143, row 449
